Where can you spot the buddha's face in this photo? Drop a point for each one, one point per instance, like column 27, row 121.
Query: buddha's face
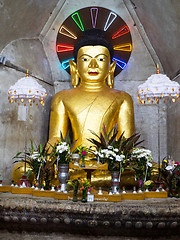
column 93, row 63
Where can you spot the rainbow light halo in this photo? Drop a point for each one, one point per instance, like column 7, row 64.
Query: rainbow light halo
column 65, row 31
column 116, row 31
column 120, row 63
column 109, row 20
column 78, row 20
column 65, row 64
column 94, row 18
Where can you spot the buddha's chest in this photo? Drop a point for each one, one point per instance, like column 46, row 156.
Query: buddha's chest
column 92, row 107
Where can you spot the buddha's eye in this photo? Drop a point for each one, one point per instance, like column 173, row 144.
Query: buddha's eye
column 101, row 59
column 84, row 59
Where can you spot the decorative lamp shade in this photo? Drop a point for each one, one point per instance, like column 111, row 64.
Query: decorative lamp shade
column 158, row 86
column 27, row 91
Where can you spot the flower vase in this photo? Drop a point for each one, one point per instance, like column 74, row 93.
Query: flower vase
column 76, row 157
column 115, row 181
column 75, row 195
column 63, row 176
column 84, row 195
column 82, row 164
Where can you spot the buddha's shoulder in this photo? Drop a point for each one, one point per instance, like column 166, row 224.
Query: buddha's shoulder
column 63, row 94
column 121, row 94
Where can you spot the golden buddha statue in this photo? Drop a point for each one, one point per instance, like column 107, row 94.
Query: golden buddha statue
column 92, row 102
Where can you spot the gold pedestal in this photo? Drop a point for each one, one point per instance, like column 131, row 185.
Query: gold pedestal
column 18, row 190
column 156, row 194
column 108, row 198
column 132, row 196
column 5, row 188
column 46, row 193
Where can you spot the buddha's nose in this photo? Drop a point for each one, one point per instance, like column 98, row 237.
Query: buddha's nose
column 93, row 63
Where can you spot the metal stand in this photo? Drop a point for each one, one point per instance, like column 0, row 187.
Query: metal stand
column 159, row 151
column 25, row 146
column 24, row 180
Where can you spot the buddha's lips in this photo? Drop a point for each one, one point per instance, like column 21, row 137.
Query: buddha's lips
column 93, row 73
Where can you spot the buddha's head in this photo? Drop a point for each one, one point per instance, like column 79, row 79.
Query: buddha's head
column 93, row 59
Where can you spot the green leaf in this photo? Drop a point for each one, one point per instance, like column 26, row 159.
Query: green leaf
column 32, row 146
column 17, row 155
column 95, row 134
column 40, row 148
column 29, row 173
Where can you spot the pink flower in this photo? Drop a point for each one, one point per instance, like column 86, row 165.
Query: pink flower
column 176, row 163
column 140, row 182
column 84, row 153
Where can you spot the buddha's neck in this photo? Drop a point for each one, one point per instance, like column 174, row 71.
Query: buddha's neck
column 93, row 86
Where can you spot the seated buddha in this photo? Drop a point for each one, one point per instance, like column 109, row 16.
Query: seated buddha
column 92, row 102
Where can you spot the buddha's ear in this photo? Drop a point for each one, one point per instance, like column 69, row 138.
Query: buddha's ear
column 74, row 73
column 110, row 77
column 112, row 67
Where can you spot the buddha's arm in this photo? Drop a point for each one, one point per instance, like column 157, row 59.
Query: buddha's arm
column 126, row 116
column 58, row 120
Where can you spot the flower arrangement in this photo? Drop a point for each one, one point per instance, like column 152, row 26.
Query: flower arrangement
column 82, row 151
column 74, row 183
column 84, row 184
column 141, row 162
column 114, row 150
column 36, row 158
column 61, row 150
column 111, row 156
column 170, row 174
column 148, row 184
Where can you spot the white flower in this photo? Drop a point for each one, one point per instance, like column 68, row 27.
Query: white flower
column 110, row 147
column 113, row 154
column 116, row 150
column 169, row 168
column 104, row 150
column 120, row 158
column 35, row 155
column 58, row 147
column 149, row 164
